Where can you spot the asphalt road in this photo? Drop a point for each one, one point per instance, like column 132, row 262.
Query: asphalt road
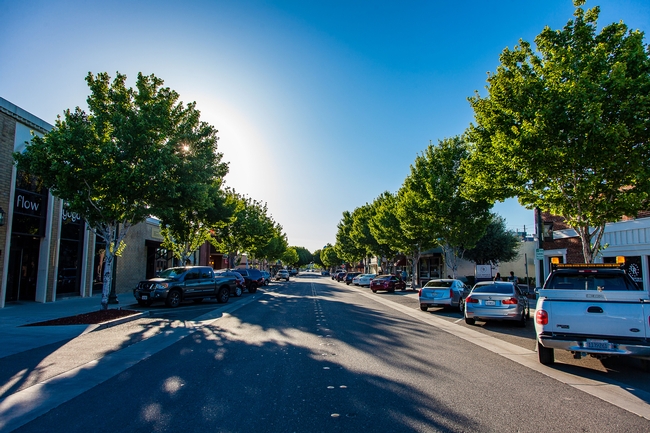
column 312, row 355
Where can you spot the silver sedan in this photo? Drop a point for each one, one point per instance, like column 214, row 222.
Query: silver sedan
column 443, row 293
column 492, row 300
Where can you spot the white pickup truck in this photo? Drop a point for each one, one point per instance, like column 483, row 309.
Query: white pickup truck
column 594, row 309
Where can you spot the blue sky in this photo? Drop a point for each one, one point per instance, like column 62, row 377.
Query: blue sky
column 321, row 106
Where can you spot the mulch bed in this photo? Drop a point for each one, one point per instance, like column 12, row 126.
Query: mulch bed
column 92, row 318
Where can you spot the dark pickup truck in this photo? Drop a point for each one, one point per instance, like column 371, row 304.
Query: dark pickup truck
column 175, row 285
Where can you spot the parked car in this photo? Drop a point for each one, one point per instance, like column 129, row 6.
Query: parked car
column 293, row 272
column 336, row 273
column 241, row 283
column 253, row 278
column 267, row 278
column 496, row 300
column 282, row 274
column 443, row 293
column 350, row 276
column 175, row 285
column 340, row 276
column 364, row 280
column 389, row 283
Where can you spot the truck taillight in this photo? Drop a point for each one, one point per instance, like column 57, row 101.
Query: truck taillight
column 510, row 301
column 541, row 317
column 470, row 300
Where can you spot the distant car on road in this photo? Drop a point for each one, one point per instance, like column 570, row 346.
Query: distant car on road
column 388, row 283
column 241, row 283
column 253, row 278
column 350, row 276
column 364, row 280
column 282, row 274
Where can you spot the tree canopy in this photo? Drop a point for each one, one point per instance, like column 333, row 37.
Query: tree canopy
column 112, row 164
column 566, row 127
column 435, row 183
column 495, row 246
column 249, row 229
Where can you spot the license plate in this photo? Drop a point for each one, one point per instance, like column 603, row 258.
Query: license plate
column 490, row 302
column 144, row 297
column 599, row 344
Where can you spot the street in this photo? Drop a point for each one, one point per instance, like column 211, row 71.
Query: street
column 313, row 355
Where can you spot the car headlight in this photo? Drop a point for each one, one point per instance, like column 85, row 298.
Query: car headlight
column 160, row 286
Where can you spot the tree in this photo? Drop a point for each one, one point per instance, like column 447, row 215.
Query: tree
column 304, row 256
column 346, row 248
column 436, row 183
column 385, row 227
column 329, row 257
column 317, row 259
column 290, row 257
column 566, row 127
column 195, row 201
column 112, row 164
column 276, row 246
column 248, row 229
column 361, row 234
column 495, row 246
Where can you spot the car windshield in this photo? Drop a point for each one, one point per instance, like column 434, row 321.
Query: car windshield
column 172, row 272
column 438, row 284
column 505, row 289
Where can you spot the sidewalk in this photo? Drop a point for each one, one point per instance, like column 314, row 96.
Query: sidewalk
column 14, row 338
column 40, row 369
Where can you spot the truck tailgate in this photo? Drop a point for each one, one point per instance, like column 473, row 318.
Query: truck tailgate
column 586, row 312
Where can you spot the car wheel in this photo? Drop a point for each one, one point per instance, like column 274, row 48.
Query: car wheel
column 546, row 355
column 223, row 295
column 252, row 288
column 528, row 314
column 197, row 300
column 461, row 306
column 470, row 321
column 173, row 299
column 374, row 291
column 392, row 290
column 424, row 308
column 238, row 291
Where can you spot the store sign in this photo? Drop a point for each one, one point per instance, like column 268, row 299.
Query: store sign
column 29, row 203
column 483, row 272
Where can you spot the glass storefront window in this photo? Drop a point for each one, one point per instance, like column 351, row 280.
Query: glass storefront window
column 70, row 254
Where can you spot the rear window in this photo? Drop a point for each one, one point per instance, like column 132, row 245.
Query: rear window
column 591, row 281
column 438, row 284
column 504, row 289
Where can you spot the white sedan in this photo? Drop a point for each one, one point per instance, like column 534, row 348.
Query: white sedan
column 363, row 280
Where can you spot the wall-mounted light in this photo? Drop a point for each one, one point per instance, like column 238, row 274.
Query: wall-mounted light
column 2, row 217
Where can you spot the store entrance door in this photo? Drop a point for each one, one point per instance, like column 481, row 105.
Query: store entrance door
column 23, row 269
